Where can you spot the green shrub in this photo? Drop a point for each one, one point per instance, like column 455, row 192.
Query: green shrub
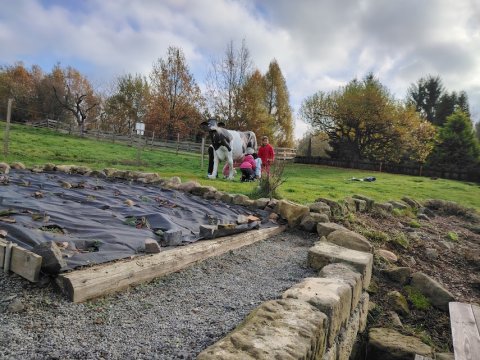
column 269, row 183
column 418, row 300
column 452, row 236
column 375, row 235
column 414, row 224
column 400, row 238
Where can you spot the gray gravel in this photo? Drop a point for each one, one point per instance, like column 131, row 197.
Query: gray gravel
column 174, row 317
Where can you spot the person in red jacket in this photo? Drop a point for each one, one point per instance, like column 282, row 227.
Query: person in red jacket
column 266, row 153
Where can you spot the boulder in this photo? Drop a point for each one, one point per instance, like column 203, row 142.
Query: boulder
column 291, row 211
column 383, row 207
column 151, row 246
column 346, row 273
column 188, row 186
column 324, row 229
column 369, row 202
column 324, row 253
column 387, row 255
column 388, row 344
column 310, row 221
column 411, row 202
column 330, row 296
column 337, row 210
column 350, row 240
column 321, row 208
column 277, row 329
column 398, row 302
column 400, row 275
column 52, row 259
column 243, row 200
column 17, row 166
column 432, row 290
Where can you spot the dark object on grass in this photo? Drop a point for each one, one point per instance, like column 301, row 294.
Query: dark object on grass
column 367, row 179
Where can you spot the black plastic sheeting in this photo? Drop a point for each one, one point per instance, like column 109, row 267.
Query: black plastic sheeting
column 94, row 219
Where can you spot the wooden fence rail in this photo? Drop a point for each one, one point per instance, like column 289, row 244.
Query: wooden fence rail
column 150, row 141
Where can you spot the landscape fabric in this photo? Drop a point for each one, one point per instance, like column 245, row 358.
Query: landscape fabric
column 98, row 220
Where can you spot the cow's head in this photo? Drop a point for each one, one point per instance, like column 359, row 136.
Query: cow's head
column 209, row 125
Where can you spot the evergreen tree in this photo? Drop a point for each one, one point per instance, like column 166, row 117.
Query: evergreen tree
column 457, row 146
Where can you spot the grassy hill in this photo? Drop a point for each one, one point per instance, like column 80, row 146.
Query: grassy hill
column 304, row 183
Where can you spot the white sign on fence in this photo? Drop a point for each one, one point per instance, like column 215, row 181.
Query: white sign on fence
column 140, row 128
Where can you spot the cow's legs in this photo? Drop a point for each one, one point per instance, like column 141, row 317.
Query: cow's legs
column 230, row 165
column 213, row 175
column 211, row 150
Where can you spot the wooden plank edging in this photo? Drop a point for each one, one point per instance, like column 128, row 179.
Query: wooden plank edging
column 21, row 261
column 99, row 280
column 465, row 330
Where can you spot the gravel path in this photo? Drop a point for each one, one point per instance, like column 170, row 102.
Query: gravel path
column 174, row 317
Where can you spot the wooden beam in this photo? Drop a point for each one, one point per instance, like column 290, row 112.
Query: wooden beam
column 22, row 262
column 2, row 253
column 99, row 280
column 465, row 330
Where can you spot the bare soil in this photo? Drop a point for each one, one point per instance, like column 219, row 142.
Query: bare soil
column 446, row 248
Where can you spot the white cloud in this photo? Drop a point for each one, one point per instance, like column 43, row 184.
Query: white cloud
column 319, row 45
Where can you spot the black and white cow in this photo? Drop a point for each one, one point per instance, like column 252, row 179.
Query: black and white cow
column 228, row 145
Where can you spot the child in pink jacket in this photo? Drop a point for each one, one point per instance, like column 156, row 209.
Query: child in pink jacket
column 247, row 167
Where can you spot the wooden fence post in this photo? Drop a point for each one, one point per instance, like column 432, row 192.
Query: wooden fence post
column 203, row 150
column 178, row 142
column 7, row 128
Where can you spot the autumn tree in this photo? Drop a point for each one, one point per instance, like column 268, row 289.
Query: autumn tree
column 77, row 96
column 50, row 107
column 129, row 103
column 457, row 146
column 177, row 102
column 362, row 121
column 16, row 82
column 255, row 116
column 225, row 82
column 278, row 106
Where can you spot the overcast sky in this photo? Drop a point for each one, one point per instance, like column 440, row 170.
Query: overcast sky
column 319, row 45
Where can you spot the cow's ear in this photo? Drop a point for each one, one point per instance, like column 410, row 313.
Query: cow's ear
column 204, row 125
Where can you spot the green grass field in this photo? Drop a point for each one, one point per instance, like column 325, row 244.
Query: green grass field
column 304, row 183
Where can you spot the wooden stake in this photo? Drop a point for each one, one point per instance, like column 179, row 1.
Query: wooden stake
column 7, row 128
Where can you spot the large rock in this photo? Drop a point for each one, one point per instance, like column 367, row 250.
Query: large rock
column 52, row 259
column 369, row 202
column 388, row 344
column 398, row 302
column 310, row 221
column 338, row 210
column 18, row 165
column 330, row 296
column 277, row 329
column 243, row 200
column 4, row 168
column 321, row 208
column 347, row 274
column 291, row 211
column 324, row 229
column 432, row 290
column 400, row 275
column 350, row 240
column 188, row 186
column 324, row 253
column 347, row 337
